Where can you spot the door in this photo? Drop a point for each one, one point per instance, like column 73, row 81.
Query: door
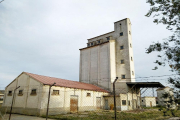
column 150, row 103
column 98, row 102
column 134, row 104
column 106, row 104
column 73, row 103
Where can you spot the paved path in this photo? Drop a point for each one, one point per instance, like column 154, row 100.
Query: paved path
column 23, row 117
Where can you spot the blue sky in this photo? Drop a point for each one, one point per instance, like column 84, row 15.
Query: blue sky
column 44, row 37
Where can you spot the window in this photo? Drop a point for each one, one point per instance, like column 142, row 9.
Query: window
column 121, row 47
column 120, row 24
column 129, row 103
column 130, row 45
column 88, row 95
column 98, row 41
column 88, row 44
column 123, row 102
column 108, row 38
column 10, row 93
column 131, row 59
column 123, row 77
column 20, row 92
column 33, row 92
column 129, row 32
column 122, row 61
column 91, row 43
column 55, row 92
column 132, row 72
column 1, row 98
column 142, row 100
column 121, row 34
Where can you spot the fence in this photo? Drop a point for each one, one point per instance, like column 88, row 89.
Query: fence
column 133, row 103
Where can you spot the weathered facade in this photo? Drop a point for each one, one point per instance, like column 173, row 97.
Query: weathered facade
column 66, row 96
column 109, row 56
column 148, row 101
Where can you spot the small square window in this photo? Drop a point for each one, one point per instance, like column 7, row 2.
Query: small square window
column 55, row 92
column 88, row 95
column 130, row 45
column 20, row 92
column 121, row 34
column 91, row 43
column 129, row 32
column 33, row 92
column 98, row 41
column 129, row 103
column 132, row 72
column 122, row 61
column 123, row 102
column 9, row 93
column 123, row 77
column 131, row 59
column 88, row 44
column 108, row 38
column 121, row 47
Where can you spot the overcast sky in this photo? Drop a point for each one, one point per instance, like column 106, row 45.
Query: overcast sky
column 44, row 37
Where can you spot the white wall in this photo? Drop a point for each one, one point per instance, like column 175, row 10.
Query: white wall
column 101, row 64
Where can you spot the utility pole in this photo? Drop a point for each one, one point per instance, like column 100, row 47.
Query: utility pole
column 12, row 102
column 114, row 98
column 49, row 99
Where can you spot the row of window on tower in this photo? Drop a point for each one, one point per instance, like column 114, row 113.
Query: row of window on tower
column 101, row 41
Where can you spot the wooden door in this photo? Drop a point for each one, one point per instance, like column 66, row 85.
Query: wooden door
column 98, row 102
column 150, row 103
column 74, row 104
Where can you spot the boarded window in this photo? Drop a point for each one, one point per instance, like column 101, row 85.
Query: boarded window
column 121, row 34
column 9, row 93
column 20, row 92
column 123, row 102
column 33, row 92
column 55, row 92
column 88, row 95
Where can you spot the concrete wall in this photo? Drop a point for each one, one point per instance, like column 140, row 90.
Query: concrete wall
column 101, row 64
column 37, row 104
column 25, row 103
column 61, row 103
column 148, row 101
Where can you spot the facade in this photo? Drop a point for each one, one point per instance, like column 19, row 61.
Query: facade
column 66, row 96
column 109, row 56
column 148, row 101
column 160, row 92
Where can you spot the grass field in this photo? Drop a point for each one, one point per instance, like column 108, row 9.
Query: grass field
column 147, row 114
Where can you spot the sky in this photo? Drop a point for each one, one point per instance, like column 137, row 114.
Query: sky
column 44, row 37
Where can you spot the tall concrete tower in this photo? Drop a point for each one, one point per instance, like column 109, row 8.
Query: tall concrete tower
column 109, row 56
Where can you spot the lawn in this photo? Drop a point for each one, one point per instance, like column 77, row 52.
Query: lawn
column 147, row 114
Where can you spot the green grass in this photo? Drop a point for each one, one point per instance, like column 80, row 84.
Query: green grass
column 109, row 115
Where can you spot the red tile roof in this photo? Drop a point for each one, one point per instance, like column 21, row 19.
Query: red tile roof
column 65, row 83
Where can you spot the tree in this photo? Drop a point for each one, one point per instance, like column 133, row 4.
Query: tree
column 167, row 12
